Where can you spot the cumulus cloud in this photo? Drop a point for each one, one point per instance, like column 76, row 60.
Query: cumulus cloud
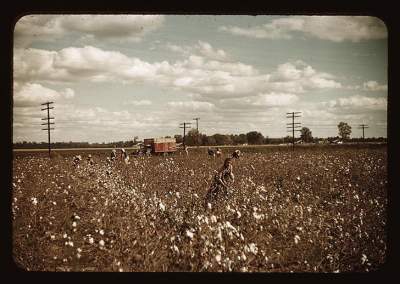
column 358, row 102
column 51, row 27
column 32, row 94
column 374, row 86
column 333, row 28
column 80, row 123
column 139, row 103
column 263, row 101
column 201, row 48
column 191, row 106
column 298, row 76
column 208, row 78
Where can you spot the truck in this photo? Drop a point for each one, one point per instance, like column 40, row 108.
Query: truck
column 159, row 146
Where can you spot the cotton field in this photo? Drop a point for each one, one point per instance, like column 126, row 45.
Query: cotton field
column 312, row 210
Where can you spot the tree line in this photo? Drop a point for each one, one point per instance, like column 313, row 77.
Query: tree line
column 194, row 138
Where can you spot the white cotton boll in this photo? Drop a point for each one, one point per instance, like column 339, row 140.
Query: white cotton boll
column 161, row 206
column 213, row 219
column 364, row 259
column 189, row 234
column 74, row 224
column 296, row 239
column 218, row 256
column 101, row 232
column 219, row 234
column 34, row 201
column 253, row 248
column 175, row 249
column 101, row 243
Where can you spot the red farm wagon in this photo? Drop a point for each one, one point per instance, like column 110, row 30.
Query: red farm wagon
column 160, row 145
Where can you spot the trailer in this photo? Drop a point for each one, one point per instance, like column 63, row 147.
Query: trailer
column 159, row 146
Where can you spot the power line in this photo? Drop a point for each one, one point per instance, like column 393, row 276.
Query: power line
column 48, row 118
column 184, row 130
column 363, row 126
column 197, row 123
column 294, row 126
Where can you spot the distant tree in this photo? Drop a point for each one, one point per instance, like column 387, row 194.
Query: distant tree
column 210, row 141
column 306, row 135
column 287, row 139
column 344, row 130
column 203, row 139
column 221, row 139
column 239, row 139
column 255, row 137
column 193, row 138
column 178, row 138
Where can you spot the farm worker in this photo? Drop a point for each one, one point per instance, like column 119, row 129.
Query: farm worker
column 236, row 154
column 186, row 150
column 218, row 152
column 221, row 179
column 125, row 156
column 211, row 152
column 90, row 160
column 76, row 160
column 123, row 153
column 113, row 154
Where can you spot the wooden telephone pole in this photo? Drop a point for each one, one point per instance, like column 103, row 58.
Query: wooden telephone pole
column 363, row 126
column 294, row 126
column 48, row 118
column 184, row 130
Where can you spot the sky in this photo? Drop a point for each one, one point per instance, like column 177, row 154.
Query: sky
column 114, row 77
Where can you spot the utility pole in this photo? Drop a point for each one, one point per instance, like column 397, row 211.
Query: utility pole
column 184, row 130
column 197, row 123
column 48, row 108
column 294, row 126
column 197, row 128
column 363, row 126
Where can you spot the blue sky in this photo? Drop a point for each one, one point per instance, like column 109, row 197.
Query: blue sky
column 113, row 77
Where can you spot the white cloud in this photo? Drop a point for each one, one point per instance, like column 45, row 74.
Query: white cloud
column 208, row 51
column 51, row 27
column 275, row 99
column 32, row 94
column 358, row 102
column 192, row 106
column 298, row 76
column 209, row 79
column 260, row 101
column 199, row 50
column 333, row 28
column 139, row 103
column 68, row 93
column 374, row 86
